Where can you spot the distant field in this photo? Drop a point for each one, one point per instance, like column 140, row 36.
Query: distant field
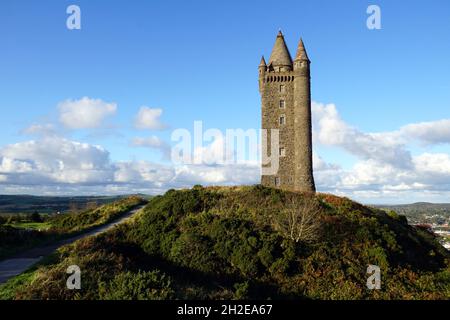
column 25, row 204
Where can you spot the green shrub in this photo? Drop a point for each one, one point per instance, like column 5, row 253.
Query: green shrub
column 242, row 291
column 75, row 222
column 35, row 217
column 195, row 252
column 153, row 285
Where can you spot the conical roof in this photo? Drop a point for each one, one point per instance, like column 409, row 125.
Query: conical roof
column 280, row 53
column 301, row 52
column 263, row 62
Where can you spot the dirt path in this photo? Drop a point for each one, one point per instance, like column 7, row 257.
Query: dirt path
column 22, row 261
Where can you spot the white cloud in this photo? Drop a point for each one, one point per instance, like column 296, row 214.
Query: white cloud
column 40, row 129
column 149, row 118
column 162, row 177
column 85, row 113
column 330, row 129
column 434, row 163
column 54, row 160
column 137, row 172
column 152, row 142
column 371, row 174
column 326, row 175
column 8, row 165
column 372, row 181
column 215, row 152
column 385, row 166
column 433, row 132
column 233, row 174
column 59, row 166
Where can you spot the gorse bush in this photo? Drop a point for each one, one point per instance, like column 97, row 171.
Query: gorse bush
column 74, row 222
column 226, row 243
column 142, row 285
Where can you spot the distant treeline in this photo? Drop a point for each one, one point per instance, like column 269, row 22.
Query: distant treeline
column 26, row 204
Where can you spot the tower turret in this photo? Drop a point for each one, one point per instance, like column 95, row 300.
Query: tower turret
column 301, row 58
column 262, row 65
column 262, row 71
column 304, row 179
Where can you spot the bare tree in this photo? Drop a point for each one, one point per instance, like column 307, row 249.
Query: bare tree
column 299, row 220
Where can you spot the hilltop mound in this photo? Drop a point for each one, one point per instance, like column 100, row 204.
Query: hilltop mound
column 211, row 243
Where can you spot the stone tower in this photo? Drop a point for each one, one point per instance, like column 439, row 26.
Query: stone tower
column 284, row 86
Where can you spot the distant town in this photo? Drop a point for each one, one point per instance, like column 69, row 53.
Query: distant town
column 434, row 217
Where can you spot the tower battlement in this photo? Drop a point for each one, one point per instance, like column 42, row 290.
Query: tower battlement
column 284, row 85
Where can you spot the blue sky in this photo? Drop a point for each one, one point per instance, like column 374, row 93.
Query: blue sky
column 197, row 60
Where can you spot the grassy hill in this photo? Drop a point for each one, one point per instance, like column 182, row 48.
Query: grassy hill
column 241, row 242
